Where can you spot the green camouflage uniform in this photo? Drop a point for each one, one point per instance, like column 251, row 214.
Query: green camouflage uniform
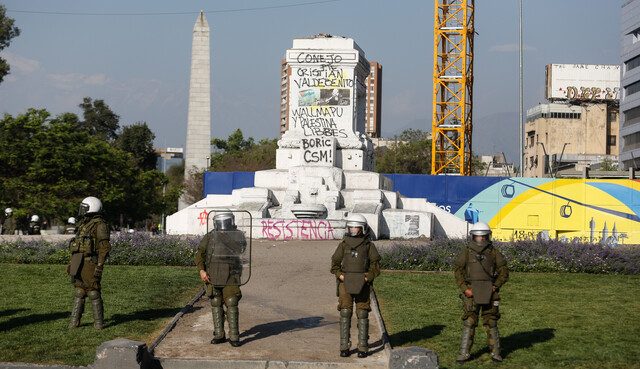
column 484, row 263
column 227, row 272
column 364, row 261
column 89, row 250
column 9, row 225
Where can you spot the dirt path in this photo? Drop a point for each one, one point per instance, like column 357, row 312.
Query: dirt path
column 287, row 313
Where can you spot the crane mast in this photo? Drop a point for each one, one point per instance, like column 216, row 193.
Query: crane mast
column 452, row 87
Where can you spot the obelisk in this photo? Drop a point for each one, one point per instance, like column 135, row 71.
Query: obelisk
column 198, row 145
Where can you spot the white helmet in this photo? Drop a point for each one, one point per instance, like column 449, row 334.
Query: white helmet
column 355, row 221
column 90, row 205
column 35, row 218
column 480, row 229
column 224, row 220
column 71, row 220
column 8, row 211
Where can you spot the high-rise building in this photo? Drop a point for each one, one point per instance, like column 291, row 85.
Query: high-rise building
column 630, row 99
column 373, row 114
column 285, row 73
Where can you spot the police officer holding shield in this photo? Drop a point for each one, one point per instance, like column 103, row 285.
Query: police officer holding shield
column 480, row 270
column 355, row 263
column 219, row 262
column 89, row 250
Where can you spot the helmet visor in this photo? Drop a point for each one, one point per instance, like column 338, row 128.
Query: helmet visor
column 84, row 208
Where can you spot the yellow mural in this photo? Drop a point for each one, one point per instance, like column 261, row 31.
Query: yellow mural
column 585, row 210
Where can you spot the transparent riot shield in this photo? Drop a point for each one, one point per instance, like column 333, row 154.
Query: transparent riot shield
column 228, row 257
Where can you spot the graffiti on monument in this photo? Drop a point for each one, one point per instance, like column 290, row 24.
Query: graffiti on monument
column 318, row 151
column 319, row 121
column 413, row 222
column 303, row 229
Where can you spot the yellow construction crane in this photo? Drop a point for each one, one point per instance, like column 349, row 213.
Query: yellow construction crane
column 452, row 87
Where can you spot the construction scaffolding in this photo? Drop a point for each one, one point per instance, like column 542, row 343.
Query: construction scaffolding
column 452, row 87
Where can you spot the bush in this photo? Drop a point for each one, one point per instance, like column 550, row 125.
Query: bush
column 126, row 249
column 525, row 256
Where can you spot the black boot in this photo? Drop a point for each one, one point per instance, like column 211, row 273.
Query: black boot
column 345, row 331
column 363, row 333
column 78, row 308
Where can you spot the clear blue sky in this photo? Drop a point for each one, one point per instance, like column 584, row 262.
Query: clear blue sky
column 140, row 64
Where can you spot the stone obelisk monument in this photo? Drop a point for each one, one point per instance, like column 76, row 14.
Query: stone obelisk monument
column 198, row 145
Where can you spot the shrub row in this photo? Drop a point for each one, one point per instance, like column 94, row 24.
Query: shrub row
column 126, row 249
column 437, row 255
column 523, row 256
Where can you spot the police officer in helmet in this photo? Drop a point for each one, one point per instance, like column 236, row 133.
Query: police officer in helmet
column 480, row 271
column 89, row 250
column 9, row 225
column 71, row 226
column 34, row 225
column 218, row 261
column 355, row 263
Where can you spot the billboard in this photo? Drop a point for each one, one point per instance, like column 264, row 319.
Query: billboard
column 589, row 82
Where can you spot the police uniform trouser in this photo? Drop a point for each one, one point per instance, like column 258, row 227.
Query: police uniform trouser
column 490, row 312
column 228, row 296
column 363, row 306
column 362, row 300
column 86, row 279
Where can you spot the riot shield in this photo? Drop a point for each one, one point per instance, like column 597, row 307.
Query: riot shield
column 228, row 257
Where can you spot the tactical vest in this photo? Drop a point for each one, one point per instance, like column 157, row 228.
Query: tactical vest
column 480, row 267
column 356, row 260
column 223, row 262
column 84, row 241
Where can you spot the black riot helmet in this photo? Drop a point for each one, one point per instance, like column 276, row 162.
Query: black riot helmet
column 224, row 221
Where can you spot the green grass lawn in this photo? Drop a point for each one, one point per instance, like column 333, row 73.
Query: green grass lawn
column 548, row 320
column 35, row 303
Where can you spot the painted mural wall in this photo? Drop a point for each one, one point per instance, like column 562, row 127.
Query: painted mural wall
column 584, row 210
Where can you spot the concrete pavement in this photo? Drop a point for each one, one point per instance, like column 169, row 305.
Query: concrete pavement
column 288, row 317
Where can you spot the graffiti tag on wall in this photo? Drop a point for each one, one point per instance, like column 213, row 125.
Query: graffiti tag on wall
column 302, row 229
column 591, row 93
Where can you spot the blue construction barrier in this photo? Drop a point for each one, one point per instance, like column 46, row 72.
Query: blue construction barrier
column 451, row 191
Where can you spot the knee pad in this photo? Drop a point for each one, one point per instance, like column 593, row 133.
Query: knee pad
column 470, row 322
column 362, row 314
column 491, row 323
column 216, row 301
column 94, row 294
column 79, row 293
column 346, row 313
column 231, row 301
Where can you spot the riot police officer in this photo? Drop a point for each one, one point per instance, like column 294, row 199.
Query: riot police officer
column 218, row 261
column 89, row 250
column 480, row 270
column 355, row 263
column 71, row 226
column 34, row 225
column 9, row 224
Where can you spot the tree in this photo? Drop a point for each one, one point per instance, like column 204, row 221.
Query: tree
column 7, row 32
column 99, row 119
column 48, row 165
column 410, row 153
column 137, row 139
column 234, row 143
column 478, row 168
column 255, row 157
column 608, row 165
column 193, row 186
